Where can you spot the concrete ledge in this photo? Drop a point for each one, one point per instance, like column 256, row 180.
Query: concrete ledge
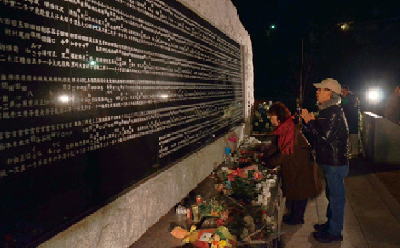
column 380, row 139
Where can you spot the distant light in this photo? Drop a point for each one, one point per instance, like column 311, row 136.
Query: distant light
column 64, row 98
column 374, row 96
column 344, row 26
column 164, row 96
column 273, row 26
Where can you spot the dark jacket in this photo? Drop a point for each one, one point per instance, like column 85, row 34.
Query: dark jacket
column 351, row 108
column 392, row 109
column 300, row 177
column 329, row 136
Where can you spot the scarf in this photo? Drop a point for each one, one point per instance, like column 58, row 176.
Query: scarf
column 285, row 132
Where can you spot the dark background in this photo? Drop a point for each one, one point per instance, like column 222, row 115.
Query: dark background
column 365, row 55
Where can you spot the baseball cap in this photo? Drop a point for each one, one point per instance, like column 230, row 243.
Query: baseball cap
column 329, row 83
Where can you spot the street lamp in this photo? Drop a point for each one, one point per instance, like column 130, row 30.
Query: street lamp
column 344, row 26
column 374, row 95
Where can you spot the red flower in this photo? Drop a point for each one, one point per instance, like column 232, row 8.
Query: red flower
column 220, row 222
column 258, row 175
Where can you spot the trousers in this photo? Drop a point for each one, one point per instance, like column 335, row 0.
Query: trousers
column 335, row 193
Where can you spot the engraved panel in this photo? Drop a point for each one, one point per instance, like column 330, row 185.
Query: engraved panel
column 96, row 95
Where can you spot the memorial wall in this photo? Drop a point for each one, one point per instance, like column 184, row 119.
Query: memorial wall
column 97, row 95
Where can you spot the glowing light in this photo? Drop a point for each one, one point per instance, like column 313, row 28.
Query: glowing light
column 374, row 96
column 344, row 26
column 64, row 98
column 92, row 62
column 272, row 26
column 164, row 96
column 373, row 115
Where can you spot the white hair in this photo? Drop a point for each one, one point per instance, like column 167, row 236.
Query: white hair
column 335, row 100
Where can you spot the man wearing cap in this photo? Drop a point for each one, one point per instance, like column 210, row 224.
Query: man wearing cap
column 329, row 134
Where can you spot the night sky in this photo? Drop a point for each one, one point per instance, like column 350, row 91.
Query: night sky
column 367, row 54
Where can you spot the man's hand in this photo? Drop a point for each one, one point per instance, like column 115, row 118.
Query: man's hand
column 307, row 116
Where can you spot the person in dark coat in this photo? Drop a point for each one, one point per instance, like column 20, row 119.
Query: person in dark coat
column 300, row 179
column 392, row 108
column 329, row 136
column 351, row 109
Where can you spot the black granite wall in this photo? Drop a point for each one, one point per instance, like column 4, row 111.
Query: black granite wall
column 96, row 95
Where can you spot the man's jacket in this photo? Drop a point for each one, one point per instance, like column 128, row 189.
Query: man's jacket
column 328, row 135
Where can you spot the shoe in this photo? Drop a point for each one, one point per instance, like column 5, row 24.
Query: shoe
column 320, row 227
column 325, row 237
column 293, row 222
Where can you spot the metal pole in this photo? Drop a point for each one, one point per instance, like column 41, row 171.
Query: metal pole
column 299, row 107
column 299, row 100
column 301, row 74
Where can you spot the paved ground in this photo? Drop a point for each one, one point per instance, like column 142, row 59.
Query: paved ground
column 391, row 180
column 372, row 214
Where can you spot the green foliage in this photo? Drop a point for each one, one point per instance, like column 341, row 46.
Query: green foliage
column 211, row 206
column 243, row 189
